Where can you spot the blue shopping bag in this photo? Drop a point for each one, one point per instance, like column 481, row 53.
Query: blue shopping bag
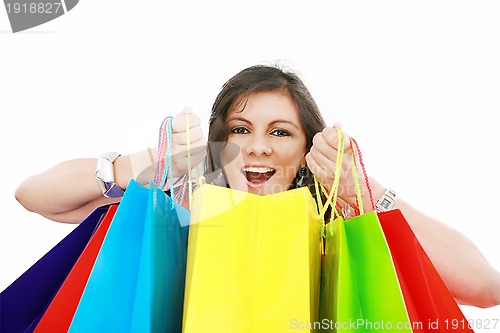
column 137, row 282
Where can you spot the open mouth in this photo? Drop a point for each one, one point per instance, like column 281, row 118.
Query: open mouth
column 257, row 176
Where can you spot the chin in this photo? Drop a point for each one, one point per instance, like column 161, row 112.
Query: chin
column 268, row 189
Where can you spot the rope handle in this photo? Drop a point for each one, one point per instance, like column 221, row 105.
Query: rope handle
column 356, row 184
column 332, row 198
column 355, row 146
column 164, row 168
column 163, row 165
column 198, row 175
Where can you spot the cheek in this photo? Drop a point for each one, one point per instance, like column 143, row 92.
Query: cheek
column 232, row 167
column 229, row 153
column 231, row 158
column 290, row 162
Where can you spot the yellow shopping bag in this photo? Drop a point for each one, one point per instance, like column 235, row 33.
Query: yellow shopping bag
column 253, row 262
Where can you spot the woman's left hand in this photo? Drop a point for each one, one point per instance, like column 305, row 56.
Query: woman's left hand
column 322, row 161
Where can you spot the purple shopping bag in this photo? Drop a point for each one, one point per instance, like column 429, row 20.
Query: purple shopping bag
column 23, row 303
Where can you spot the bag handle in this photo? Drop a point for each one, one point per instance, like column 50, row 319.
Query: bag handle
column 355, row 146
column 164, row 165
column 188, row 174
column 164, row 169
column 164, row 152
column 332, row 197
column 198, row 176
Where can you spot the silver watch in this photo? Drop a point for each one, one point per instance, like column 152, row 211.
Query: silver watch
column 105, row 175
column 386, row 201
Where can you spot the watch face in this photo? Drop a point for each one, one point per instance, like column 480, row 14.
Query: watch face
column 385, row 203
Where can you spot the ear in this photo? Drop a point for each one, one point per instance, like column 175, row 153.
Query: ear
column 303, row 163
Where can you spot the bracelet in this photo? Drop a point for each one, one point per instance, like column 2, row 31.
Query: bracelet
column 105, row 175
column 386, row 201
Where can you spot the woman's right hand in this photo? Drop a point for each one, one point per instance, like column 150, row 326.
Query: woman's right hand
column 69, row 191
column 197, row 143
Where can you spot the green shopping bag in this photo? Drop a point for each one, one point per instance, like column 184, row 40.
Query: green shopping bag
column 339, row 301
column 360, row 291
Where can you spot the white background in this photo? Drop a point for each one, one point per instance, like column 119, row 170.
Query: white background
column 416, row 83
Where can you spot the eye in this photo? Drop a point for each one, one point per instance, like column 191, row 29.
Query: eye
column 239, row 130
column 280, row 132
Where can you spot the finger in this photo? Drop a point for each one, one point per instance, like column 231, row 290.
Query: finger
column 320, row 145
column 197, row 154
column 181, row 164
column 326, row 163
column 320, row 173
column 331, row 137
column 179, row 122
column 339, row 126
column 181, row 151
column 180, row 138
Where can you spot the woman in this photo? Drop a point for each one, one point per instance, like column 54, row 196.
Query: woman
column 271, row 117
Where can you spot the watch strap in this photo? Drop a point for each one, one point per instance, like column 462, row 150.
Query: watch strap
column 105, row 175
column 386, row 201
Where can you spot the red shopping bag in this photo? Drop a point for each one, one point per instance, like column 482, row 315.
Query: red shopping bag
column 58, row 316
column 430, row 304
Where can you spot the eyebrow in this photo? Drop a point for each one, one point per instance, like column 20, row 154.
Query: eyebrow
column 272, row 123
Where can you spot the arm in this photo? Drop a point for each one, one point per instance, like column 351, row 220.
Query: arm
column 462, row 266
column 464, row 269
column 69, row 191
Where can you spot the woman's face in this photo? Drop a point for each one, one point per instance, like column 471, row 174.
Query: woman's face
column 272, row 143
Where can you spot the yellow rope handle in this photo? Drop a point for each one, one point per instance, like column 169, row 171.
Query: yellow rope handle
column 332, row 198
column 198, row 174
column 188, row 139
column 335, row 208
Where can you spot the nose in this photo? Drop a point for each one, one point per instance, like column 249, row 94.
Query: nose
column 258, row 147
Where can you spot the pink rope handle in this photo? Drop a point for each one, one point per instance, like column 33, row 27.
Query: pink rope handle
column 162, row 151
column 357, row 153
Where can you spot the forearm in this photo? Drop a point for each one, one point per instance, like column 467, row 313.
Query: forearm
column 464, row 269
column 69, row 191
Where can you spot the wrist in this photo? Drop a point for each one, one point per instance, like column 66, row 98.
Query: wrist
column 386, row 201
column 377, row 191
column 139, row 166
column 122, row 171
column 105, row 175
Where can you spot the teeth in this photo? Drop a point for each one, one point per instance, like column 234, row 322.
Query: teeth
column 258, row 169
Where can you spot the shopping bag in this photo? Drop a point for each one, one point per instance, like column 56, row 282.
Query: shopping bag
column 59, row 314
column 431, row 306
column 24, row 301
column 160, row 287
column 360, row 291
column 253, row 261
column 137, row 280
column 360, row 288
